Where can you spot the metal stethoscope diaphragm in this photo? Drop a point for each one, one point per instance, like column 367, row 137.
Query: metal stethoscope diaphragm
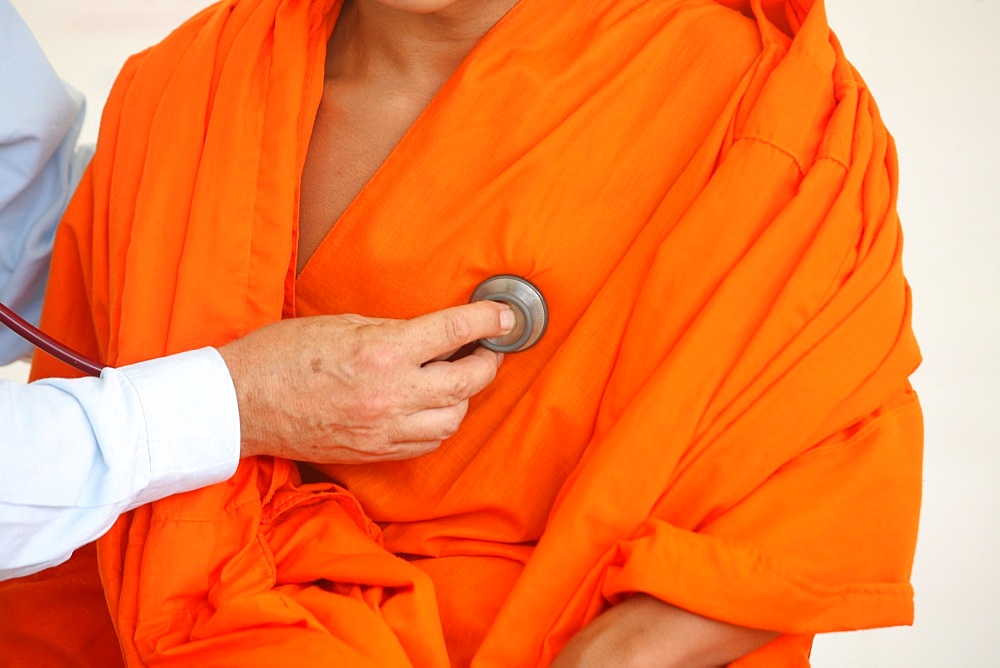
column 528, row 304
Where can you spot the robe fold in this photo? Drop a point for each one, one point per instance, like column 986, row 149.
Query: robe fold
column 718, row 414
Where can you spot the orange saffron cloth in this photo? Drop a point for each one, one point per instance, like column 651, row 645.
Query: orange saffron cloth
column 718, row 415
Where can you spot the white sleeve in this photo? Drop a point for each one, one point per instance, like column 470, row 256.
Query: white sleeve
column 40, row 166
column 74, row 454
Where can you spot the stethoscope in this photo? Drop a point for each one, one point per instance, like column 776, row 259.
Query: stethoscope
column 530, row 312
column 43, row 341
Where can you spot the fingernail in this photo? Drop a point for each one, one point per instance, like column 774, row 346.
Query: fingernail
column 507, row 319
column 499, row 359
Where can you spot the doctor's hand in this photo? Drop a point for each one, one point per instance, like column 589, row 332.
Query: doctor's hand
column 349, row 389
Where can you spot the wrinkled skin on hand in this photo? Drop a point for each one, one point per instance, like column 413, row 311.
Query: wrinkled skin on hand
column 350, row 389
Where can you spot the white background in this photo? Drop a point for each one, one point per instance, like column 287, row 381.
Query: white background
column 934, row 66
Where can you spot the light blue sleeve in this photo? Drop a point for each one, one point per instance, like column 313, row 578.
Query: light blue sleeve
column 40, row 121
column 74, row 454
column 163, row 427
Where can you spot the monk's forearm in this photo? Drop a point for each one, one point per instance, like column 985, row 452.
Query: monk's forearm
column 644, row 631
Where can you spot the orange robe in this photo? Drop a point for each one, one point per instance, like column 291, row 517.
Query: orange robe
column 718, row 414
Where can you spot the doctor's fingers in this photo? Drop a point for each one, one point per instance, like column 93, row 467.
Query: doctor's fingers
column 445, row 384
column 440, row 333
column 426, row 429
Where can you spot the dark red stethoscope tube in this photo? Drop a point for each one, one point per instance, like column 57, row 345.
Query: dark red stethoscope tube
column 43, row 341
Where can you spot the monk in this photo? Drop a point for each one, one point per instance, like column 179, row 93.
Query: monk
column 713, row 453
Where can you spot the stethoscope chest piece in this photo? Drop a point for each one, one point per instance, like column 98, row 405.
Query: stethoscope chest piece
column 529, row 308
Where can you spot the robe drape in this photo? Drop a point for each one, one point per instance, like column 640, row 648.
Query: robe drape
column 718, row 414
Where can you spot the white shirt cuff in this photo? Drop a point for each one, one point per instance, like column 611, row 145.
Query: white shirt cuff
column 192, row 421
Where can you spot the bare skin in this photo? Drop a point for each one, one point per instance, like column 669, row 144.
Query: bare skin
column 385, row 62
column 384, row 65
column 346, row 389
column 644, row 631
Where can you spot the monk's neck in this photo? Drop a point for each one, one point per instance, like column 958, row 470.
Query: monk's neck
column 376, row 42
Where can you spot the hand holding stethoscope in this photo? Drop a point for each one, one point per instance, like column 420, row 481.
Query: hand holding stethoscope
column 525, row 300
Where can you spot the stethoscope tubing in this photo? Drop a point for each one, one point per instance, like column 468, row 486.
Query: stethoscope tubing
column 43, row 341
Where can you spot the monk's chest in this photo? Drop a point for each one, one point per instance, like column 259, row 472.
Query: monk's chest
column 355, row 131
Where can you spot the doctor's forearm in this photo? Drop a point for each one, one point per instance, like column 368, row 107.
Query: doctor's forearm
column 74, row 454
